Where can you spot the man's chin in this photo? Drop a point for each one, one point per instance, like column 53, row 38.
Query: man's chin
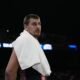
column 37, row 35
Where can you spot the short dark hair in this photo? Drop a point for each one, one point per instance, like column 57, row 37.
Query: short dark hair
column 28, row 17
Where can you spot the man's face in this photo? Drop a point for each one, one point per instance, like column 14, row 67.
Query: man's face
column 34, row 27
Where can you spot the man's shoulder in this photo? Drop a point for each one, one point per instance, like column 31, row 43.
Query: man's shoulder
column 23, row 39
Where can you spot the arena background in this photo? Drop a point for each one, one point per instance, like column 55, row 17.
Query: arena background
column 60, row 28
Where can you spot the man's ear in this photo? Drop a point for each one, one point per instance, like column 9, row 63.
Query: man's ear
column 25, row 26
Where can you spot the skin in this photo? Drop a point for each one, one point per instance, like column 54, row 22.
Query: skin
column 34, row 28
column 12, row 67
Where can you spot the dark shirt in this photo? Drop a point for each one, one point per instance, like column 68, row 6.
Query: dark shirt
column 30, row 74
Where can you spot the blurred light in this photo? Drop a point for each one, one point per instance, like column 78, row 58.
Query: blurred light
column 41, row 45
column 7, row 30
column 47, row 47
column 0, row 45
column 7, row 45
column 72, row 46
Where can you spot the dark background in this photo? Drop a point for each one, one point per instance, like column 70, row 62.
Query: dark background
column 58, row 17
column 60, row 27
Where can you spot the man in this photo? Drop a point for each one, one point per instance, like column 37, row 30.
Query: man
column 26, row 51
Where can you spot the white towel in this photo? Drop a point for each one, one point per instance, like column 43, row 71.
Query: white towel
column 30, row 54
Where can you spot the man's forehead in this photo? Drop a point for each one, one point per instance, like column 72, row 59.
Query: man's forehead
column 35, row 20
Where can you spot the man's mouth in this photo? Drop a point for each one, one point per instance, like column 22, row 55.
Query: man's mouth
column 37, row 30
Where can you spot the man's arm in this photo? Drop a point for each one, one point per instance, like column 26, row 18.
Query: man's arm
column 12, row 67
column 43, row 77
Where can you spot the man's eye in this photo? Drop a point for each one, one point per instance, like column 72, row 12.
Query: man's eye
column 34, row 24
column 39, row 23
